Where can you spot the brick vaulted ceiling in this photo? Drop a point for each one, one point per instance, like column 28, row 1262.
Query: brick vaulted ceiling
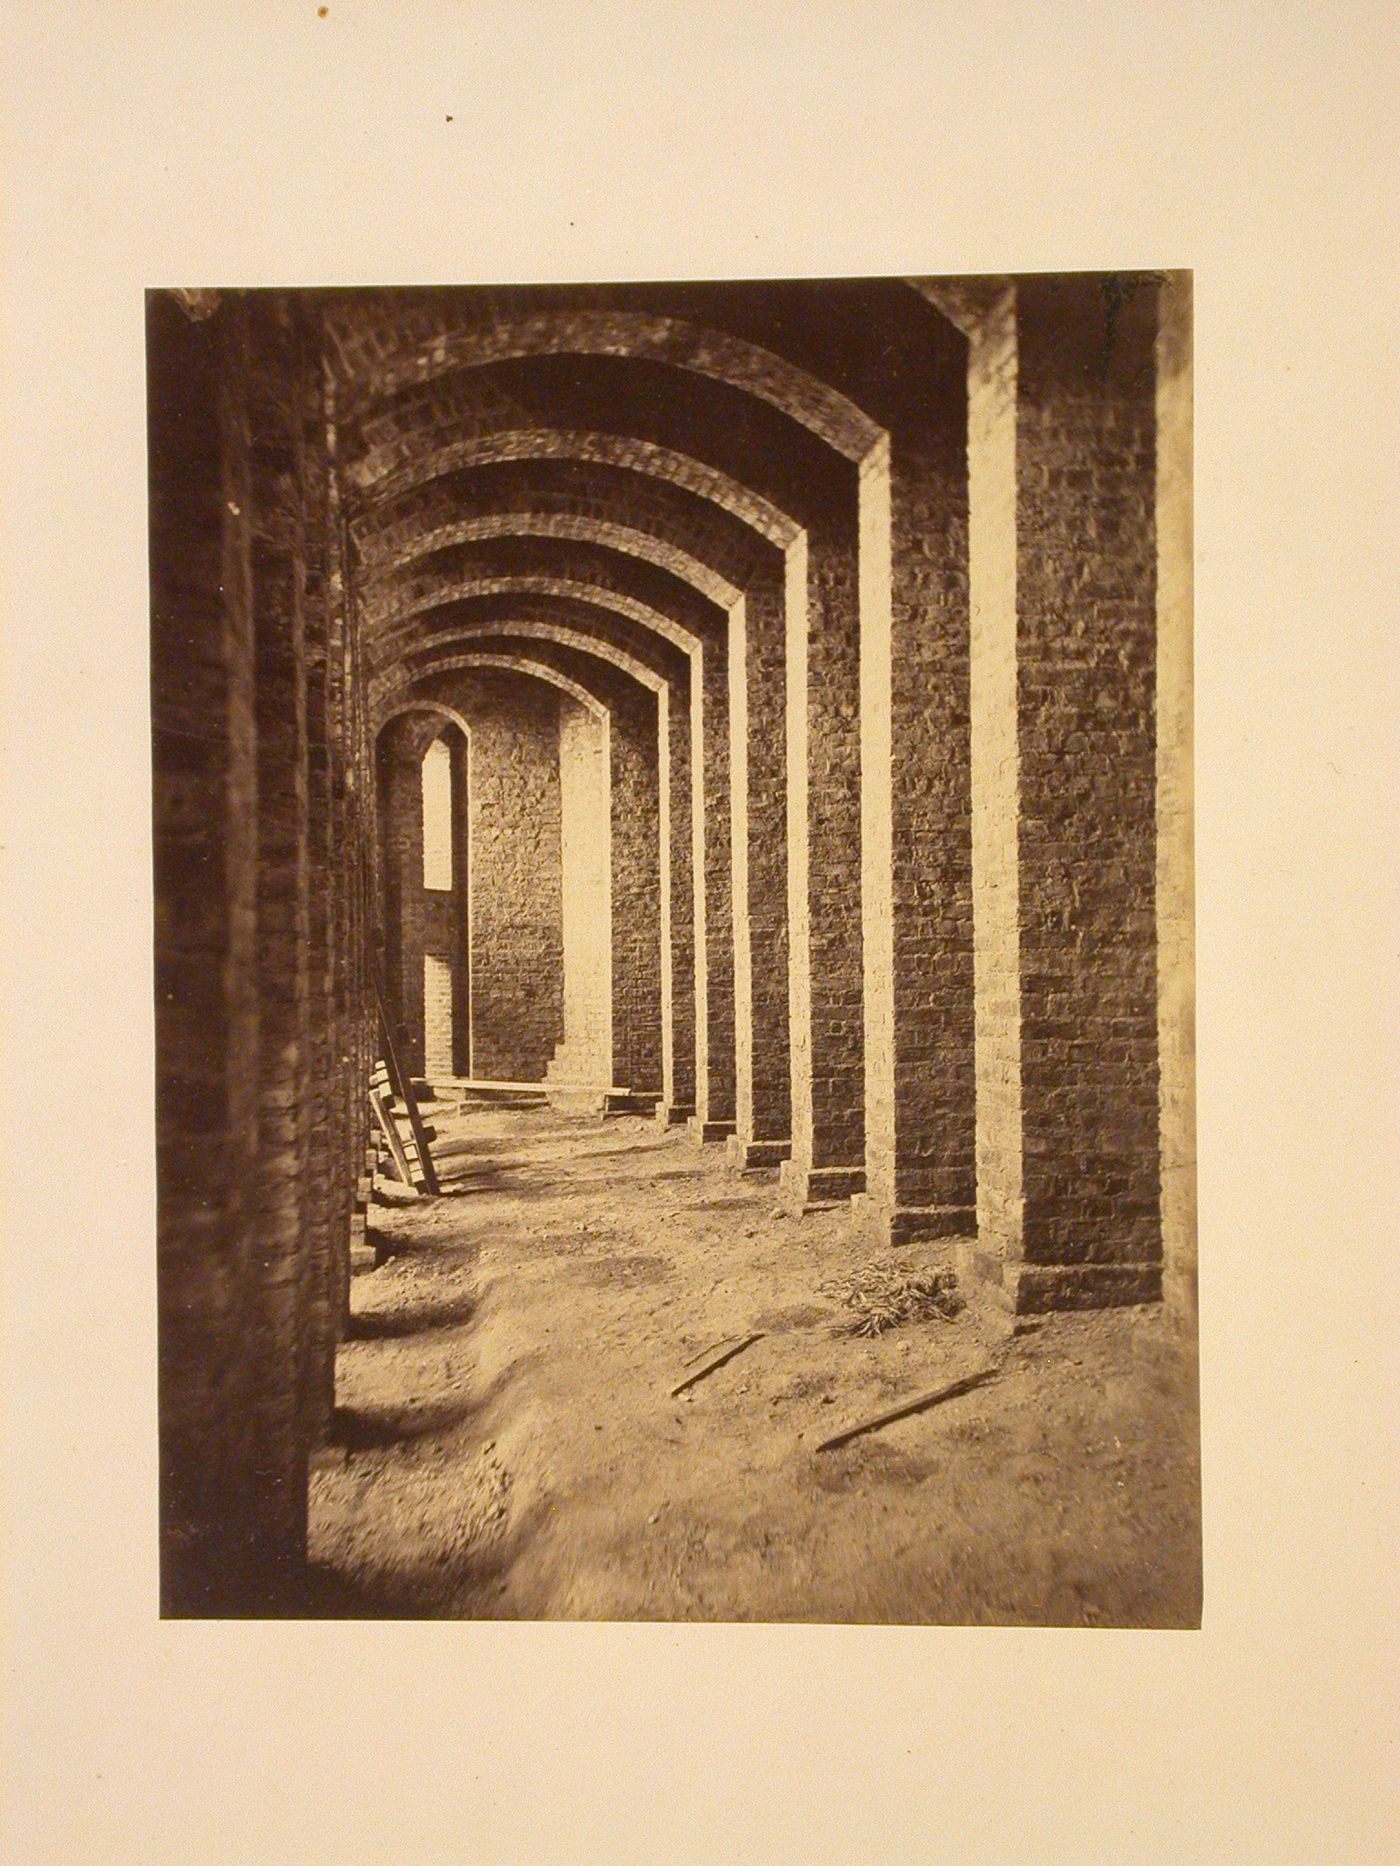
column 614, row 460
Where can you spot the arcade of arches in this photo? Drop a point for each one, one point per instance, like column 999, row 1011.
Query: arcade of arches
column 763, row 706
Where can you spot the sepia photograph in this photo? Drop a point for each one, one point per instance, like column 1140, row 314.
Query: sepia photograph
column 700, row 875
column 674, row 1002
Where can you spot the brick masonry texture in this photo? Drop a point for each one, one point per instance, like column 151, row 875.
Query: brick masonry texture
column 632, row 835
column 825, row 982
column 517, row 977
column 586, row 889
column 420, row 923
column 257, row 1138
column 840, row 629
column 1086, row 599
column 205, row 848
column 995, row 766
column 758, row 839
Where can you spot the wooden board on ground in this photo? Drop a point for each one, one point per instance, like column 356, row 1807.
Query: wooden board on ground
column 715, row 1362
column 909, row 1407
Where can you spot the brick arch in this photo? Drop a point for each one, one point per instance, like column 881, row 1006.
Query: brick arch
column 439, row 707
column 392, row 352
column 642, row 839
column 392, row 553
column 556, row 485
column 594, row 584
column 417, row 461
column 682, row 745
column 519, row 664
column 587, row 605
column 749, row 443
column 712, row 604
column 561, row 633
column 408, row 932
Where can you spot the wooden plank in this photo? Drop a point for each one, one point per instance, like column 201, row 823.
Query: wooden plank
column 921, row 1404
column 403, row 1090
column 389, row 1128
column 717, row 1360
column 700, row 1353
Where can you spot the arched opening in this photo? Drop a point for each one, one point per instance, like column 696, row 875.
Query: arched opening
column 446, row 904
column 539, row 894
column 425, row 889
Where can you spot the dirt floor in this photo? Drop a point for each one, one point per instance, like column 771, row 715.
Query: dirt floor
column 506, row 1446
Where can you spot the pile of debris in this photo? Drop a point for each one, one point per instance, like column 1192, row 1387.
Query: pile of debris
column 885, row 1295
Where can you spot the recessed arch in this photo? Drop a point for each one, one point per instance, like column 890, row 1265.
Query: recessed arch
column 595, row 596
column 387, row 554
column 616, row 450
column 432, row 350
column 422, row 754
column 561, row 634
column 523, row 664
column 683, row 527
column 440, row 707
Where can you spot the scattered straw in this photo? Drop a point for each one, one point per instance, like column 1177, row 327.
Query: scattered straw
column 882, row 1296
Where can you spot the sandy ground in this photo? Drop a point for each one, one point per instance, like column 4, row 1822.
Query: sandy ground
column 506, row 1446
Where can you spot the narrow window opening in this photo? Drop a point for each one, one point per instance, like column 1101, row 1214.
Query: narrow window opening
column 437, row 817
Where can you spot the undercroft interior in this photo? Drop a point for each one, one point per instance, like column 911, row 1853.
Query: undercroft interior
column 507, row 1445
column 724, row 750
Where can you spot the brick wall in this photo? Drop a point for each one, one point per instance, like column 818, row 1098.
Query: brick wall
column 205, row 850
column 627, row 834
column 758, row 763
column 517, row 974
column 1086, row 568
column 259, row 983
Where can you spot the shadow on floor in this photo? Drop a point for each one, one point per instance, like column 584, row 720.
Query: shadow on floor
column 379, row 1428
column 355, row 1430
column 465, row 1582
column 413, row 1319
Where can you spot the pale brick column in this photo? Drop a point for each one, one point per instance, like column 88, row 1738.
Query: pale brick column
column 404, row 907
column 714, row 923
column 678, row 936
column 758, row 777
column 917, row 869
column 585, row 871
column 996, row 771
column 1068, row 1144
column 636, row 892
column 824, row 865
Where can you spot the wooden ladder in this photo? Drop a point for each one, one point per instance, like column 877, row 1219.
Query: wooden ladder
column 388, row 1086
